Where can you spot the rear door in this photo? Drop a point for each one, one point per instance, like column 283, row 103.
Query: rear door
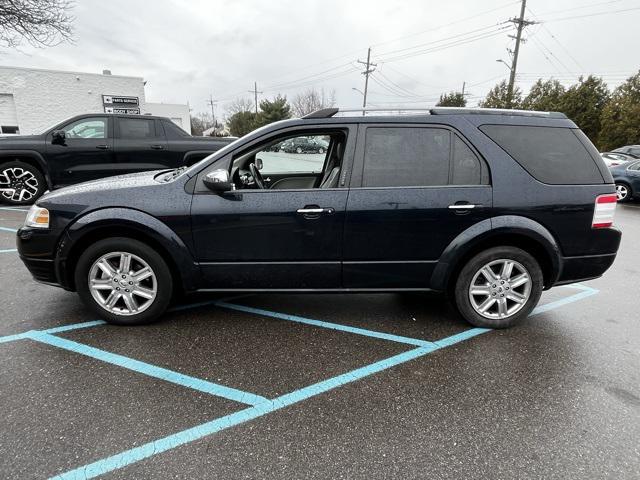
column 418, row 187
column 86, row 152
column 141, row 145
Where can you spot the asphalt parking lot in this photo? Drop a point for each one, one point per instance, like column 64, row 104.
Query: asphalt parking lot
column 321, row 386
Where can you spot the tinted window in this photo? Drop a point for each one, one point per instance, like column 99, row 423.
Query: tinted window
column 406, row 157
column 137, row 128
column 551, row 155
column 466, row 167
column 87, row 128
column 635, row 167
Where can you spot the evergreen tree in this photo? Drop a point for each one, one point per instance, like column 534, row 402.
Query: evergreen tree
column 498, row 97
column 620, row 122
column 273, row 111
column 545, row 96
column 452, row 99
column 241, row 123
column 584, row 102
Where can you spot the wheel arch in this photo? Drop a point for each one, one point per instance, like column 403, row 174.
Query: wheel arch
column 125, row 222
column 508, row 230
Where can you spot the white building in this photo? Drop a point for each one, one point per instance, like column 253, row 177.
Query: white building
column 32, row 99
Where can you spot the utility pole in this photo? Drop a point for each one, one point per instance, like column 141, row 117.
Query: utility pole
column 464, row 84
column 255, row 94
column 368, row 71
column 521, row 23
column 211, row 103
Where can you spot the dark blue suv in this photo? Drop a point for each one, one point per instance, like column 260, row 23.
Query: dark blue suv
column 490, row 207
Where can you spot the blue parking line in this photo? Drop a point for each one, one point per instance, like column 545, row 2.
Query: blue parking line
column 189, row 435
column 329, row 325
column 149, row 370
column 8, row 250
column 5, row 229
column 73, row 326
column 17, row 336
column 585, row 291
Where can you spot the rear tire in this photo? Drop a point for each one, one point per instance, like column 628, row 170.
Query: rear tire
column 124, row 281
column 507, row 283
column 20, row 183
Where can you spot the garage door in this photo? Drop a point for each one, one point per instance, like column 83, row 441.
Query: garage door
column 8, row 116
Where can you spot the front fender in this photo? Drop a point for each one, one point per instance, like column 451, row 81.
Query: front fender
column 113, row 220
column 483, row 232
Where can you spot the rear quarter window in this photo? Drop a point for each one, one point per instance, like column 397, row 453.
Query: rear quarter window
column 551, row 155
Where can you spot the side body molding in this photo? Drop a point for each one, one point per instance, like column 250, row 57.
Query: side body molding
column 136, row 221
column 512, row 225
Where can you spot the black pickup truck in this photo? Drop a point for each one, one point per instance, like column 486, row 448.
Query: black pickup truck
column 91, row 146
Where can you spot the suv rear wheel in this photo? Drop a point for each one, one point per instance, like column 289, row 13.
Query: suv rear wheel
column 20, row 183
column 125, row 281
column 498, row 287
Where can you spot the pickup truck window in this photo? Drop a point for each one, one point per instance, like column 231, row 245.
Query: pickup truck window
column 136, row 128
column 87, row 128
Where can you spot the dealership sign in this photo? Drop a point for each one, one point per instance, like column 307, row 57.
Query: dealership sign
column 126, row 111
column 121, row 104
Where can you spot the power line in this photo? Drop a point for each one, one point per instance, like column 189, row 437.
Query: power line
column 575, row 17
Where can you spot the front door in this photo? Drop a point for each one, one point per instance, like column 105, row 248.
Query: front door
column 286, row 235
column 418, row 188
column 85, row 154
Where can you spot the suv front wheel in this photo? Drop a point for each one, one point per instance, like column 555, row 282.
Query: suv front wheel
column 124, row 281
column 498, row 287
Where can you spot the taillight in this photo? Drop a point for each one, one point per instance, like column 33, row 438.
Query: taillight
column 604, row 211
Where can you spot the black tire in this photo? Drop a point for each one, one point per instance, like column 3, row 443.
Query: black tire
column 298, row 150
column 31, row 188
column 321, row 150
column 159, row 267
column 629, row 195
column 473, row 266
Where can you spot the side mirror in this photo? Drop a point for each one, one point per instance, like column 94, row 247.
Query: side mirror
column 58, row 136
column 258, row 163
column 218, row 181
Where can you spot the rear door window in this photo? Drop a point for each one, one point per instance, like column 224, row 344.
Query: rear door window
column 406, row 157
column 137, row 128
column 551, row 155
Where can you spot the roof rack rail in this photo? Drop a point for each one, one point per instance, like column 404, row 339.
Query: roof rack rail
column 322, row 113
column 494, row 111
column 331, row 112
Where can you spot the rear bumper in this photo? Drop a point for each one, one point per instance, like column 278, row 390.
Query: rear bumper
column 576, row 269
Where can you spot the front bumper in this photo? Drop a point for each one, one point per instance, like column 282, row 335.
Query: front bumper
column 37, row 251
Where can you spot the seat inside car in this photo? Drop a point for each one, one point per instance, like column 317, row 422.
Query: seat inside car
column 332, row 172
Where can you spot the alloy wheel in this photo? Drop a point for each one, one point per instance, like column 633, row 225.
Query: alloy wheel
column 18, row 184
column 122, row 283
column 621, row 191
column 500, row 289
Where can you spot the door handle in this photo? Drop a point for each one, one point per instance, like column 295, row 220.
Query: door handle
column 102, row 147
column 157, row 147
column 463, row 206
column 315, row 210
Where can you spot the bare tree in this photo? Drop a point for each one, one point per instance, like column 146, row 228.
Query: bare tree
column 312, row 100
column 238, row 105
column 42, row 23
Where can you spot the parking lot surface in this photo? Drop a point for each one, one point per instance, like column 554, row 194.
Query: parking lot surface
column 321, row 386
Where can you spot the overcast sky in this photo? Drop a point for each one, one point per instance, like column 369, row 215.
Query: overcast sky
column 187, row 50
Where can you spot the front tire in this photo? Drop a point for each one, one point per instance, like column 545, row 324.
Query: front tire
column 20, row 183
column 124, row 281
column 623, row 192
column 498, row 287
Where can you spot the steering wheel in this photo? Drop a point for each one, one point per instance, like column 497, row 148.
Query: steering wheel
column 257, row 176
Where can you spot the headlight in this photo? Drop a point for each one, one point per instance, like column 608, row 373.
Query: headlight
column 37, row 217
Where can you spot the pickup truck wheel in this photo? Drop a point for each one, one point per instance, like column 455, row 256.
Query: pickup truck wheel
column 20, row 183
column 498, row 287
column 125, row 281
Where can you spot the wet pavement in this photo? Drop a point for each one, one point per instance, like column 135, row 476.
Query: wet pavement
column 322, row 386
